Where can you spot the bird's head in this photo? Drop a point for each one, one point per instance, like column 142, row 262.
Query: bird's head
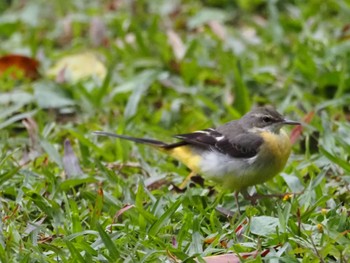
column 265, row 119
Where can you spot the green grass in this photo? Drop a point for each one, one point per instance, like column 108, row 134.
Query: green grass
column 95, row 199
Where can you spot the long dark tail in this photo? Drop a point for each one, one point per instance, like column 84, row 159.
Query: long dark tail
column 151, row 142
column 138, row 140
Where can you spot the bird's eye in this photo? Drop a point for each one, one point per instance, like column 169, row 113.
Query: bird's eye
column 267, row 119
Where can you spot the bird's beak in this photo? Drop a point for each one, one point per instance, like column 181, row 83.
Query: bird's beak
column 290, row 122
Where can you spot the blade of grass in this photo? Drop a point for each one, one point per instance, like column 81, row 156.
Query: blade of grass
column 96, row 212
column 102, row 91
column 112, row 249
column 139, row 203
column 75, row 255
column 343, row 164
column 7, row 175
column 17, row 117
column 164, row 218
column 242, row 101
column 71, row 183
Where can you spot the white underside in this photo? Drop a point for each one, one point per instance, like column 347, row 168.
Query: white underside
column 233, row 173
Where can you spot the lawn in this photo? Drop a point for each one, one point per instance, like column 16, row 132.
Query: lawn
column 154, row 69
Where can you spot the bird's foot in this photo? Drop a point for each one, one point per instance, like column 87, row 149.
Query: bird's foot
column 255, row 197
column 186, row 181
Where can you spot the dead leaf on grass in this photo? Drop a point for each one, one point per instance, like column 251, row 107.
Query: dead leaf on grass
column 19, row 67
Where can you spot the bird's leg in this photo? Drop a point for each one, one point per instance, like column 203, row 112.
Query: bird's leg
column 237, row 201
column 187, row 179
column 251, row 198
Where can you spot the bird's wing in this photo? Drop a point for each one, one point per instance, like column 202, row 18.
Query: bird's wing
column 244, row 145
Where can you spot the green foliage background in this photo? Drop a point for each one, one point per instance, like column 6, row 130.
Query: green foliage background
column 291, row 54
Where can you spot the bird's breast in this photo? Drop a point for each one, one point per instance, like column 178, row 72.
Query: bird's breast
column 275, row 150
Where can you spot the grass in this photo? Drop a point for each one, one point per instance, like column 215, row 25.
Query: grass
column 170, row 67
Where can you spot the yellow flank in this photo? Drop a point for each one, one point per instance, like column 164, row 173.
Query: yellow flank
column 277, row 148
column 185, row 155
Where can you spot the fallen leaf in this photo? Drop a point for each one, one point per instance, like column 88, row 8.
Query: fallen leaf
column 119, row 213
column 19, row 67
column 123, row 210
column 76, row 67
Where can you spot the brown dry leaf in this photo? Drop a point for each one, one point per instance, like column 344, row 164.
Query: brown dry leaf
column 123, row 210
column 19, row 66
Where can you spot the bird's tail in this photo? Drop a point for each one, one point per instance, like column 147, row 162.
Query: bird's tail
column 183, row 154
column 151, row 142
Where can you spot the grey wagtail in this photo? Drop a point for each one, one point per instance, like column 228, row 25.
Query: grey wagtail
column 236, row 155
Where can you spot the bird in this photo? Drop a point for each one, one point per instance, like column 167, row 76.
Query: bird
column 236, row 155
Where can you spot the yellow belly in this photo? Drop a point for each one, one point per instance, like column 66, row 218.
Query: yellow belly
column 187, row 156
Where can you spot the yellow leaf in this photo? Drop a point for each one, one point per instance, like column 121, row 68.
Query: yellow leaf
column 78, row 66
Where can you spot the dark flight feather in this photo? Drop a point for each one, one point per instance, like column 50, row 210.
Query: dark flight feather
column 244, row 145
